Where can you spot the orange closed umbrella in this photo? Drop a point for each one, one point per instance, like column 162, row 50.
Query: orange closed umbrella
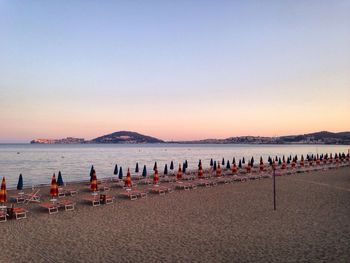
column 218, row 170
column 200, row 171
column 54, row 187
column 127, row 182
column 93, row 184
column 179, row 173
column 234, row 168
column 3, row 195
column 155, row 177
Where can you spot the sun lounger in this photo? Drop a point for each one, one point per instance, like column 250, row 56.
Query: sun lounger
column 188, row 177
column 128, row 194
column 185, row 186
column 204, row 183
column 50, row 206
column 32, row 197
column 140, row 194
column 156, row 190
column 19, row 198
column 146, row 181
column 133, row 194
column 93, row 199
column 19, row 213
column 67, row 204
column 106, row 199
column 3, row 216
column 223, row 180
column 168, row 179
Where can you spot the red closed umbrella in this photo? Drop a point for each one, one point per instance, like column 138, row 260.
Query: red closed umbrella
column 179, row 173
column 218, row 170
column 93, row 184
column 3, row 194
column 155, row 177
column 200, row 171
column 54, row 187
column 127, row 182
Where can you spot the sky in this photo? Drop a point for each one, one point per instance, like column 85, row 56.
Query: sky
column 176, row 70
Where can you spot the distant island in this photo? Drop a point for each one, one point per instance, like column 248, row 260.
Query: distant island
column 129, row 137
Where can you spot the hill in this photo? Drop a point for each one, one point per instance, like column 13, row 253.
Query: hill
column 126, row 137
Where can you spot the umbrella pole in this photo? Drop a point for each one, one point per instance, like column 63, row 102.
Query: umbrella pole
column 274, row 188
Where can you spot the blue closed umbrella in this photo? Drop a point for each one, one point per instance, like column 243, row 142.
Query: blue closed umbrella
column 20, row 182
column 166, row 169
column 59, row 179
column 137, row 168
column 211, row 162
column 144, row 171
column 172, row 165
column 228, row 166
column 121, row 173
column 115, row 172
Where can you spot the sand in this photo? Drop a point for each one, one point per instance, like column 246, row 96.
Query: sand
column 227, row 223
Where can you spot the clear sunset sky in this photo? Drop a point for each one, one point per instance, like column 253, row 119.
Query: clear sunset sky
column 173, row 69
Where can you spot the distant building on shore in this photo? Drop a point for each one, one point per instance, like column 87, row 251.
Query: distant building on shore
column 68, row 140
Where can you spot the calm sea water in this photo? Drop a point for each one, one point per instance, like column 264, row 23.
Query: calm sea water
column 38, row 162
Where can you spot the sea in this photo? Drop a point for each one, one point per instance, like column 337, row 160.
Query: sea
column 38, row 162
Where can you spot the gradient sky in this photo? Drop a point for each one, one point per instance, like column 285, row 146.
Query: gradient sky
column 173, row 69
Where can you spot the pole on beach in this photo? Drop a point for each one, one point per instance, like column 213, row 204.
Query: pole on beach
column 274, row 188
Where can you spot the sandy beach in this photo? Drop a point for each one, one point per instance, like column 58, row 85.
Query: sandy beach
column 228, row 223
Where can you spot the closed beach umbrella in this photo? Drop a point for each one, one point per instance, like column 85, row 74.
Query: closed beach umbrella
column 186, row 164
column 234, row 168
column 137, row 168
column 155, row 177
column 243, row 160
column 214, row 166
column 59, row 179
column 179, row 173
column 155, row 166
column 91, row 172
column 228, row 166
column 120, row 173
column 93, row 185
column 20, row 182
column 252, row 161
column 233, row 160
column 128, row 179
column 218, row 171
column 171, row 165
column 223, row 162
column 115, row 172
column 144, row 171
column 184, row 168
column 165, row 169
column 3, row 193
column 240, row 164
column 199, row 163
column 53, row 188
column 200, row 171
column 279, row 161
column 211, row 162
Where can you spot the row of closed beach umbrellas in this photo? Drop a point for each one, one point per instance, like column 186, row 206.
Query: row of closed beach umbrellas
column 213, row 164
